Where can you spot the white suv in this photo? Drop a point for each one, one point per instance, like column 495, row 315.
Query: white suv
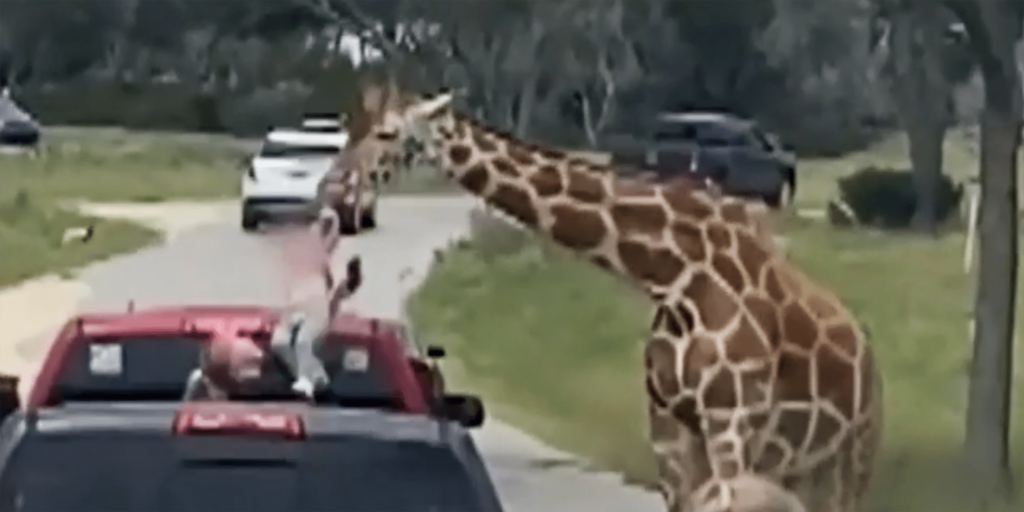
column 284, row 176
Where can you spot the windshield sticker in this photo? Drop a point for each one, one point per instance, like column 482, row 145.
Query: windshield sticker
column 356, row 360
column 106, row 359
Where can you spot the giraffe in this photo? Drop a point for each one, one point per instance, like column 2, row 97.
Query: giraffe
column 353, row 182
column 759, row 382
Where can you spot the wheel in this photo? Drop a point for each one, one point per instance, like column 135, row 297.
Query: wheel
column 250, row 221
column 783, row 197
column 369, row 219
column 346, row 222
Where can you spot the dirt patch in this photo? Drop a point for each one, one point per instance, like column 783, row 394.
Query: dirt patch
column 172, row 218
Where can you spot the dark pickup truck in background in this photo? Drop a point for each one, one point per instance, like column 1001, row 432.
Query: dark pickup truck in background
column 737, row 154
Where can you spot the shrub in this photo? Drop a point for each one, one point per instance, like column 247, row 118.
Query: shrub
column 885, row 198
column 174, row 107
column 258, row 111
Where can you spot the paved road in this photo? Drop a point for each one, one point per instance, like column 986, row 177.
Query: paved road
column 217, row 263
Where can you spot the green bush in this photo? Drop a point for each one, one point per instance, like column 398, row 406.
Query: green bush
column 885, row 198
column 172, row 107
column 177, row 107
column 254, row 113
column 169, row 107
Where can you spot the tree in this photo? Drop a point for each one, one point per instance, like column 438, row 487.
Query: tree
column 916, row 47
column 993, row 28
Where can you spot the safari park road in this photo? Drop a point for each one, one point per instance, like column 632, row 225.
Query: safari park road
column 209, row 260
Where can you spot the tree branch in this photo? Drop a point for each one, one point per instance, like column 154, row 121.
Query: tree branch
column 362, row 23
column 969, row 13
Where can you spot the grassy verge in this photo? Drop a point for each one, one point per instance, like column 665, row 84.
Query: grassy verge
column 103, row 164
column 30, row 238
column 817, row 177
column 531, row 326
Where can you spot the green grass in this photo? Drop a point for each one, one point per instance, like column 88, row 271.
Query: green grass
column 100, row 164
column 817, row 177
column 556, row 346
column 30, row 239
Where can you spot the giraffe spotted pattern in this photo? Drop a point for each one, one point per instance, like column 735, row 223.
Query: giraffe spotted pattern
column 762, row 390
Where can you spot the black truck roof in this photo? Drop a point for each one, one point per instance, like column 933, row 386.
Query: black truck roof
column 112, row 457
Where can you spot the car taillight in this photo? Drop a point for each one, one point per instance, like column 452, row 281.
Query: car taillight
column 243, row 423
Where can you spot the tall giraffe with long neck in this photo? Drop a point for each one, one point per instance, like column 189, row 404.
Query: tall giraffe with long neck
column 754, row 372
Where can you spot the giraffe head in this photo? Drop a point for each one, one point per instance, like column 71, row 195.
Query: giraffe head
column 390, row 129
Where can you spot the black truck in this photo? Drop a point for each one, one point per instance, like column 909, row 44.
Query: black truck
column 735, row 153
column 237, row 457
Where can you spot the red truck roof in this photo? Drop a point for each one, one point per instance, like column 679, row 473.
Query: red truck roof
column 382, row 339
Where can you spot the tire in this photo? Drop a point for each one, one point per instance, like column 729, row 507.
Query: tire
column 250, row 221
column 778, row 200
column 346, row 222
column 784, row 196
column 369, row 219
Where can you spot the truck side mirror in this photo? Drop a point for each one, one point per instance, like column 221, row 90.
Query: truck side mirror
column 467, row 410
column 9, row 399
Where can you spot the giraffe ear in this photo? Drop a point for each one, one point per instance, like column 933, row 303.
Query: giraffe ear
column 431, row 106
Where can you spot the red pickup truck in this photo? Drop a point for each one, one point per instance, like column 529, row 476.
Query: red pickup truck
column 148, row 356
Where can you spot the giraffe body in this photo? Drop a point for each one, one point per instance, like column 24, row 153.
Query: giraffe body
column 760, row 385
column 352, row 185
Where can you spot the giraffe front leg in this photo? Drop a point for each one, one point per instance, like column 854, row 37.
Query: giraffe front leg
column 726, row 434
column 680, row 456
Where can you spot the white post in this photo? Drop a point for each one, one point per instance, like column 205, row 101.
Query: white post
column 973, row 206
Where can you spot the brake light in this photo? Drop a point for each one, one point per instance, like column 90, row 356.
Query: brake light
column 244, row 423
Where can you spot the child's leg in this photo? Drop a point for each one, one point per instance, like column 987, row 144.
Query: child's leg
column 296, row 342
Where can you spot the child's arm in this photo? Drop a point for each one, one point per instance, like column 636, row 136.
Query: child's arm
column 348, row 287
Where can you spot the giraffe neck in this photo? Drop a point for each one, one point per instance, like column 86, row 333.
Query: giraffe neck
column 641, row 231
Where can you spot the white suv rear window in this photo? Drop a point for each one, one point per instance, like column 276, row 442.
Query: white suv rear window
column 276, row 149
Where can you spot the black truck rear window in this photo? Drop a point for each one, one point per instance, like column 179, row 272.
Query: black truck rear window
column 155, row 368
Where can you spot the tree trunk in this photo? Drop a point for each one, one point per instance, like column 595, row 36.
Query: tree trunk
column 988, row 410
column 527, row 98
column 926, row 141
column 919, row 85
